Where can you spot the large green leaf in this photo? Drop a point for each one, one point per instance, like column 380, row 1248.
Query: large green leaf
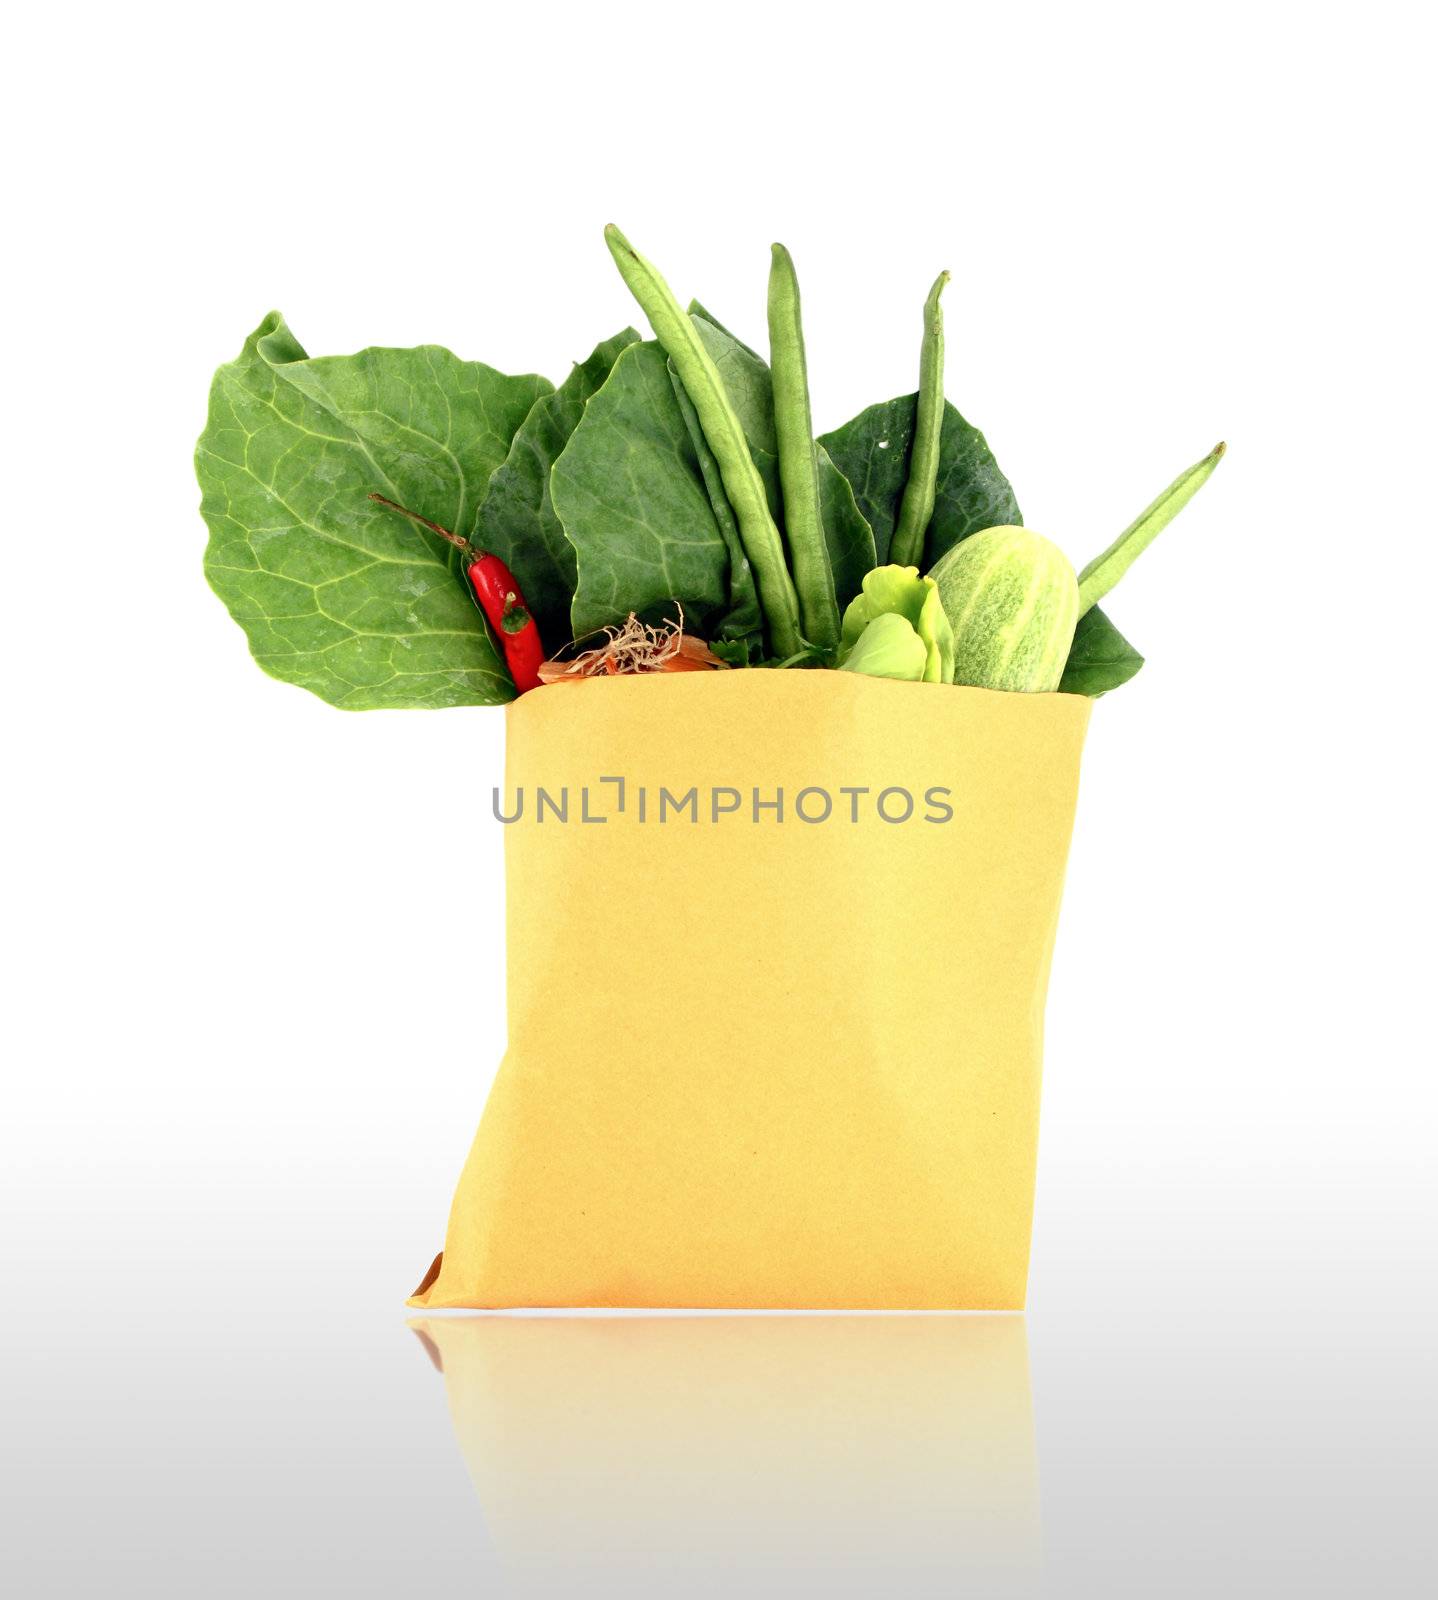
column 846, row 531
column 517, row 520
column 628, row 490
column 1100, row 658
column 696, row 310
column 751, row 391
column 872, row 451
column 337, row 595
column 746, row 377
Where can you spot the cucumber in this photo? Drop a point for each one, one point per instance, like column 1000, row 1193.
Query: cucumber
column 1013, row 600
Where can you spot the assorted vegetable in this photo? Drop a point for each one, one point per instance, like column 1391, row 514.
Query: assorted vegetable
column 635, row 647
column 916, row 509
column 499, row 599
column 1012, row 599
column 1100, row 575
column 897, row 628
column 682, row 343
column 667, row 508
column 798, row 458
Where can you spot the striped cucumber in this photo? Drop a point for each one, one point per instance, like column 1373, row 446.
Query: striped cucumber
column 1013, row 600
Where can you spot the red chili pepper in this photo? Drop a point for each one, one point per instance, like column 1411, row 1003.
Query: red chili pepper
column 499, row 599
column 520, row 635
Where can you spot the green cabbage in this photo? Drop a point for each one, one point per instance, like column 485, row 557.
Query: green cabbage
column 896, row 628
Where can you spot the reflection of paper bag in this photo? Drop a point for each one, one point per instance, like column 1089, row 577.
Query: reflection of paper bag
column 762, row 1062
column 755, row 1456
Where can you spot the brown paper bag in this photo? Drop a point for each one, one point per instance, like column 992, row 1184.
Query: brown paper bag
column 775, row 998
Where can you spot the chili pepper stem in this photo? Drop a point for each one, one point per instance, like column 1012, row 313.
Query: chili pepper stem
column 424, row 522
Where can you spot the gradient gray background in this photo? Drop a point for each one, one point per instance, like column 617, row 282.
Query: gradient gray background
column 256, row 956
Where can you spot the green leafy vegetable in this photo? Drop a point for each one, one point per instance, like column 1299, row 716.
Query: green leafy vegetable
column 335, row 595
column 869, row 636
column 517, row 521
column 738, row 634
column 677, row 473
column 676, row 332
column 629, row 492
column 847, row 534
column 697, row 310
column 970, row 492
column 1100, row 659
column 750, row 390
column 888, row 647
column 846, row 530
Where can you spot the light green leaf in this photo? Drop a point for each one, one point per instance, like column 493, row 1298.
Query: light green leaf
column 887, row 647
column 696, row 310
column 746, row 377
column 846, row 530
column 900, row 592
column 628, row 491
column 356, row 604
column 517, row 521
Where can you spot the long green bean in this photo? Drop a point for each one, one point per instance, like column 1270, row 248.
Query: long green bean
column 721, row 427
column 798, row 459
column 907, row 547
column 1100, row 575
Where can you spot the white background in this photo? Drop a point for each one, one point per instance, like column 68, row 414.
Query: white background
column 257, row 951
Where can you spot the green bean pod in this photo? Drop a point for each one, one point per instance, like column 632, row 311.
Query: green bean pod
column 798, row 459
column 721, row 427
column 917, row 507
column 1104, row 571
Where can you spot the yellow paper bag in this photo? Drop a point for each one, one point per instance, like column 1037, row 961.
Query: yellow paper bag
column 778, row 945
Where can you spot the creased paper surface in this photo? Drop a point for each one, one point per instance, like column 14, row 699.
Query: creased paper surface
column 770, row 1064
